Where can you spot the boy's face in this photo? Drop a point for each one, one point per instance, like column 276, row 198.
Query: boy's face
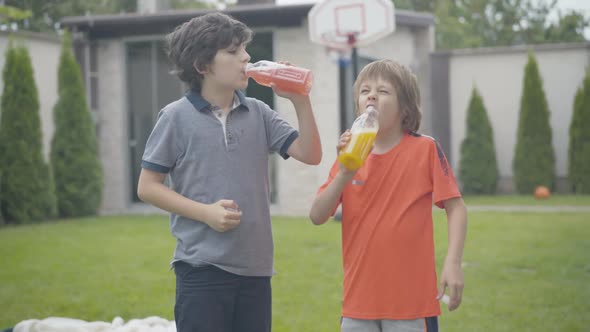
column 382, row 95
column 228, row 68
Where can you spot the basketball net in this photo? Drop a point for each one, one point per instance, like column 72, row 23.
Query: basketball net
column 340, row 56
column 338, row 52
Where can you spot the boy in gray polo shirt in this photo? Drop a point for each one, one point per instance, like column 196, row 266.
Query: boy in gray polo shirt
column 214, row 143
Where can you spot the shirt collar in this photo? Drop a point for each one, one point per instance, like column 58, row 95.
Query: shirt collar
column 201, row 104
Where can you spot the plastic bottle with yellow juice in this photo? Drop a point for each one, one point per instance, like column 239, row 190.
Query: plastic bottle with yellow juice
column 364, row 130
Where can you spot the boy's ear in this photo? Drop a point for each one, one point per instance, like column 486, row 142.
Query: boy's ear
column 201, row 70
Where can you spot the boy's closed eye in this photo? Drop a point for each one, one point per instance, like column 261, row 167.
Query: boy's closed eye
column 232, row 49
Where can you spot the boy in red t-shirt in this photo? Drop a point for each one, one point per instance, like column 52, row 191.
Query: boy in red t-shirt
column 387, row 232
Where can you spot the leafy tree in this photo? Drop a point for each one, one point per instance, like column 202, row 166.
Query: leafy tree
column 534, row 160
column 74, row 148
column 452, row 29
column 579, row 144
column 569, row 27
column 185, row 4
column 26, row 185
column 478, row 170
column 9, row 14
column 415, row 5
column 476, row 23
column 46, row 14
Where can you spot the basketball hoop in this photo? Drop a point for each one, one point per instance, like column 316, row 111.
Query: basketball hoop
column 343, row 25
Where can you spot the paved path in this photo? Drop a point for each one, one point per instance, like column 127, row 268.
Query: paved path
column 530, row 208
column 147, row 209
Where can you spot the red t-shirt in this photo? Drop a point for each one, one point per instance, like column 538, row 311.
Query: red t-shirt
column 387, row 231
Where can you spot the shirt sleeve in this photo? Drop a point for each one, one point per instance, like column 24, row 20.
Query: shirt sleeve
column 162, row 147
column 333, row 172
column 444, row 184
column 279, row 133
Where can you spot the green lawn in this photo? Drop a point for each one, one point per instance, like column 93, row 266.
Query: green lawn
column 524, row 272
column 567, row 200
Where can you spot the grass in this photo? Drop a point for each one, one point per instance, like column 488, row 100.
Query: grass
column 567, row 200
column 523, row 272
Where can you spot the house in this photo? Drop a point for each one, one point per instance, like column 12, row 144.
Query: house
column 127, row 78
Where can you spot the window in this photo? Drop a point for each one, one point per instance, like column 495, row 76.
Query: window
column 150, row 87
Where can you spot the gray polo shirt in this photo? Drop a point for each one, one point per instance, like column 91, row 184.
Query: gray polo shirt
column 188, row 143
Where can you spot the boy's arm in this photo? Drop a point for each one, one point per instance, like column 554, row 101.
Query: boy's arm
column 219, row 216
column 306, row 148
column 327, row 200
column 452, row 274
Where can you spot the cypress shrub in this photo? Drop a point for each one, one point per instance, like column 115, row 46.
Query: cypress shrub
column 534, row 159
column 478, row 168
column 74, row 149
column 579, row 144
column 26, row 185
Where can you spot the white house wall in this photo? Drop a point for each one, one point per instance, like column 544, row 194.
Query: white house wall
column 297, row 183
column 112, row 116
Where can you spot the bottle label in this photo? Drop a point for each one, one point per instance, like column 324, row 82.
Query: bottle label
column 263, row 71
column 291, row 75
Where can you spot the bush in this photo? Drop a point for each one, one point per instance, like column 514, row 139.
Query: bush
column 26, row 186
column 74, row 149
column 534, row 159
column 579, row 144
column 478, row 168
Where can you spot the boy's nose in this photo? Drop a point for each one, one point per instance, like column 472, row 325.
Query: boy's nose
column 247, row 57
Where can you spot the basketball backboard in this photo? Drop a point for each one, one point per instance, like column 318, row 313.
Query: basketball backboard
column 343, row 24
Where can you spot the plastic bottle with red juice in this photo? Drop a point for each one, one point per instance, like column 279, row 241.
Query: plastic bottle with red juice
column 287, row 78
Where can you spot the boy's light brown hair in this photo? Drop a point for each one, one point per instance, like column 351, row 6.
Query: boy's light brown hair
column 406, row 87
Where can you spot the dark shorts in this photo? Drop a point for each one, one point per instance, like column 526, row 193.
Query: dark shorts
column 209, row 299
column 429, row 324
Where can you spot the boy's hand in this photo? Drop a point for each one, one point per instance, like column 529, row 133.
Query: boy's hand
column 342, row 143
column 451, row 277
column 224, row 215
column 344, row 140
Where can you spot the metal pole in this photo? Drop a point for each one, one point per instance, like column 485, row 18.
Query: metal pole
column 354, row 60
column 343, row 99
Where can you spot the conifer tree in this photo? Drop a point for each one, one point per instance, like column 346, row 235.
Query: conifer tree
column 74, row 148
column 478, row 168
column 534, row 159
column 26, row 185
column 579, row 145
